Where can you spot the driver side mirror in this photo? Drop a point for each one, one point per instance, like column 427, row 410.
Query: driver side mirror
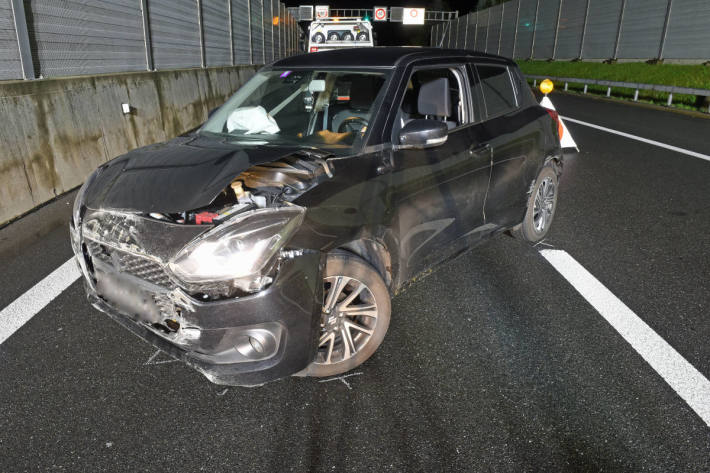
column 423, row 133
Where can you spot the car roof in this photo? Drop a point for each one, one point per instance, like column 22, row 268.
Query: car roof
column 378, row 56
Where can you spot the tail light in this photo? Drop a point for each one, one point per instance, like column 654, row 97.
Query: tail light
column 556, row 117
column 314, row 49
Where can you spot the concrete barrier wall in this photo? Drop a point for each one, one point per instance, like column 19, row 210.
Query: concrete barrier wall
column 56, row 131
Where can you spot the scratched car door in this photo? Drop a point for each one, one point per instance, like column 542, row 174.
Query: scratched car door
column 515, row 136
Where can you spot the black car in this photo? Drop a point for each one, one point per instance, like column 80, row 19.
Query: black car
column 269, row 241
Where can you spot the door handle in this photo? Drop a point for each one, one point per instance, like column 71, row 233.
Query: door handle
column 480, row 149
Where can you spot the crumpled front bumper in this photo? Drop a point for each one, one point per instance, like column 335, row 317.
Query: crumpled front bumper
column 244, row 341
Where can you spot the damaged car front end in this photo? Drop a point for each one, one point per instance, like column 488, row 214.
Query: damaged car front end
column 218, row 288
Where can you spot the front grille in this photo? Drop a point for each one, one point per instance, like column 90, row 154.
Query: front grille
column 139, row 266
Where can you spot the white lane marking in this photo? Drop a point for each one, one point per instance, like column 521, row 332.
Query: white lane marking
column 687, row 381
column 638, row 138
column 28, row 304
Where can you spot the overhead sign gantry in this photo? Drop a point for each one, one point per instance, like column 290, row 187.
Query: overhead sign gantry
column 404, row 15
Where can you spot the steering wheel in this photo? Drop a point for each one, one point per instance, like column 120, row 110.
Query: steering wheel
column 352, row 124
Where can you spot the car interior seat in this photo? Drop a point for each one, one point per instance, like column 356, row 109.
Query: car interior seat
column 434, row 101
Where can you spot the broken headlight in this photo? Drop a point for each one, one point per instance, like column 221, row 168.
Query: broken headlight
column 240, row 252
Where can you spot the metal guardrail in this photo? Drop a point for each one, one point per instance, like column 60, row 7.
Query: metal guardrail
column 670, row 89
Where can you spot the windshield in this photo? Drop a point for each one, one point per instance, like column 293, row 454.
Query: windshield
column 320, row 108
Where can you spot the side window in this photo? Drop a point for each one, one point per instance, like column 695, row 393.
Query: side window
column 457, row 113
column 498, row 90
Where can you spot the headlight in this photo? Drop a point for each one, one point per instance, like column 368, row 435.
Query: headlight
column 239, row 250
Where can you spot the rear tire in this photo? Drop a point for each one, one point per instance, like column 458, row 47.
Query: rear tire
column 333, row 37
column 355, row 317
column 318, row 38
column 541, row 208
column 348, row 37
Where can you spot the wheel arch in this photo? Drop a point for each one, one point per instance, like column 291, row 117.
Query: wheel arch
column 554, row 160
column 375, row 253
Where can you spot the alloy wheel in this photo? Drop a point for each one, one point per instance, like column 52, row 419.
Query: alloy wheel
column 544, row 205
column 348, row 319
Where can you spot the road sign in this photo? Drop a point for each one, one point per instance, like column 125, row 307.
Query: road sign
column 322, row 11
column 413, row 16
column 379, row 13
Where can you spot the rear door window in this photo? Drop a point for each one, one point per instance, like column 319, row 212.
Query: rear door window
column 498, row 91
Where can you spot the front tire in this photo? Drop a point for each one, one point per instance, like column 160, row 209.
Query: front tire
column 355, row 316
column 541, row 208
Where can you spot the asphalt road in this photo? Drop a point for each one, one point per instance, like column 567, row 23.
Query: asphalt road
column 494, row 362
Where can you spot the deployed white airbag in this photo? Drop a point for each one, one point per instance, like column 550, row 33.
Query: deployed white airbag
column 252, row 120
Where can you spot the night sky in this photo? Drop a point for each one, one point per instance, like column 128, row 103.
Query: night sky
column 387, row 33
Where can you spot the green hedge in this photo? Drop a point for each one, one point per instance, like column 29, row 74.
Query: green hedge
column 697, row 76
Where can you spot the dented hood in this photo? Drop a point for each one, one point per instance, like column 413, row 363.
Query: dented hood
column 179, row 175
